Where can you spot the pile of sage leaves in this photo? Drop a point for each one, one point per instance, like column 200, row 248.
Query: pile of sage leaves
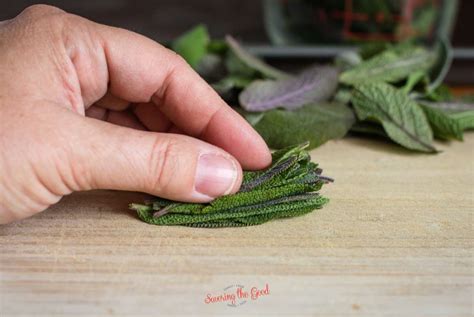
column 393, row 91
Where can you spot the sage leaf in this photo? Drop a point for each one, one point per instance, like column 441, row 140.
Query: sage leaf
column 444, row 127
column 218, row 47
column 252, row 61
column 235, row 67
column 316, row 123
column 347, row 60
column 230, row 82
column 451, row 106
column 412, row 80
column 343, row 95
column 313, row 85
column 192, row 45
column 440, row 94
column 459, row 111
column 371, row 49
column 465, row 119
column 367, row 127
column 389, row 66
column 288, row 188
column 401, row 117
column 211, row 67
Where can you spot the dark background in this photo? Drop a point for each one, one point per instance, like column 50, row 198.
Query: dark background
column 163, row 20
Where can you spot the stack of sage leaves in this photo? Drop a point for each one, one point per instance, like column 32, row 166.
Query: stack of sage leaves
column 288, row 188
column 392, row 91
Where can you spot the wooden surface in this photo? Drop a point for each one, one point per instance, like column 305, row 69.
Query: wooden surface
column 395, row 240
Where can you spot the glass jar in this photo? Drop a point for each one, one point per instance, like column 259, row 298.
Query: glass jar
column 353, row 21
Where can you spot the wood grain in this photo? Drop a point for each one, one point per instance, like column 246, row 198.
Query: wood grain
column 395, row 240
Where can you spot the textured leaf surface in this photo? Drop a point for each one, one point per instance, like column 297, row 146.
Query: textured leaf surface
column 192, row 45
column 343, row 95
column 465, row 119
column 313, row 85
column 451, row 106
column 317, row 123
column 402, row 119
column 253, row 62
column 444, row 127
column 288, row 188
column 389, row 66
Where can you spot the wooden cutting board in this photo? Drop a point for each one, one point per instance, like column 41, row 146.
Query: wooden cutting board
column 396, row 239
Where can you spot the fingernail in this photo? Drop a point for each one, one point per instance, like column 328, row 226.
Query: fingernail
column 215, row 175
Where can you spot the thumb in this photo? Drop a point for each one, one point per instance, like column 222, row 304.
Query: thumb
column 168, row 165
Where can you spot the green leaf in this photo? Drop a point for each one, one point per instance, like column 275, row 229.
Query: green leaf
column 402, row 119
column 253, row 62
column 444, row 59
column 235, row 67
column 462, row 112
column 288, row 188
column 451, row 106
column 226, row 84
column 369, row 50
column 389, row 66
column 444, row 127
column 317, row 123
column 316, row 84
column 465, row 119
column 413, row 79
column 192, row 45
column 211, row 67
column 343, row 95
column 441, row 93
column 368, row 127
column 218, row 47
column 347, row 60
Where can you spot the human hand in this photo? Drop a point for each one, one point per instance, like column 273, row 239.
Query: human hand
column 60, row 73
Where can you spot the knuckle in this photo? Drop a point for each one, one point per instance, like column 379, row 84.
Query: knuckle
column 40, row 10
column 43, row 19
column 179, row 62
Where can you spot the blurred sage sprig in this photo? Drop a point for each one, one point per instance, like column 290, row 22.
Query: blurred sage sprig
column 393, row 91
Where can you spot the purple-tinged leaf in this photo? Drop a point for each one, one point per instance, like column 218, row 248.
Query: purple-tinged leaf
column 313, row 85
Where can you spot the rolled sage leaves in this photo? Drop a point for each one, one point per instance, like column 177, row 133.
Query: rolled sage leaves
column 288, row 188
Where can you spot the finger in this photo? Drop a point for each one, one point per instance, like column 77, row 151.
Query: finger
column 125, row 119
column 97, row 112
column 167, row 165
column 174, row 129
column 140, row 70
column 151, row 117
column 109, row 101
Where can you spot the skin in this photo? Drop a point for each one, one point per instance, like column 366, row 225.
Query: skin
column 87, row 106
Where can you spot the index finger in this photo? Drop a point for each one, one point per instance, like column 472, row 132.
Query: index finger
column 141, row 70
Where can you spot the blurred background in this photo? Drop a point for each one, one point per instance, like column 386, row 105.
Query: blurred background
column 290, row 31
